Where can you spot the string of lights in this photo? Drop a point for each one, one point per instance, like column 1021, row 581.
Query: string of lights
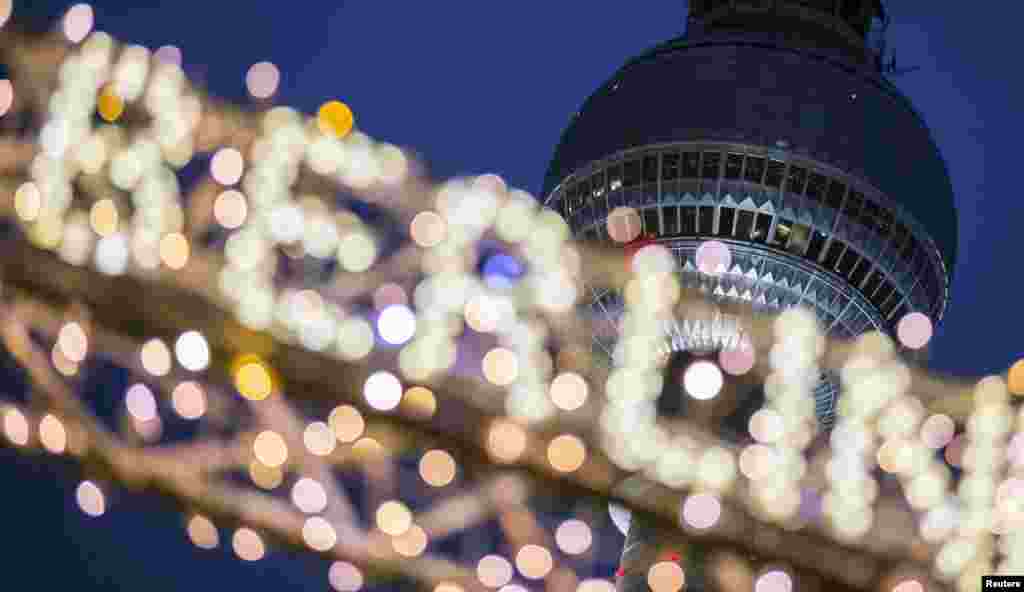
column 286, row 321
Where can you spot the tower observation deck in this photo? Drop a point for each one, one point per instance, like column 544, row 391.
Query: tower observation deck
column 770, row 126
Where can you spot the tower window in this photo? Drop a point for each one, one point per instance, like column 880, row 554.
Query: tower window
column 671, row 219
column 711, row 164
column 733, row 166
column 761, row 227
column 707, row 220
column 650, row 169
column 816, row 186
column 834, row 199
column 782, row 232
column 691, row 164
column 835, row 251
column 688, row 220
column 614, row 177
column 797, row 178
column 670, row 166
column 744, row 224
column 754, row 170
column 631, row 173
column 597, row 183
column 847, row 263
column 651, row 222
column 817, row 244
column 799, row 237
column 854, row 203
column 773, row 175
column 726, row 218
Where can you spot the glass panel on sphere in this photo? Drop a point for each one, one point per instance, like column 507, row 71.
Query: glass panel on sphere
column 754, row 170
column 848, row 263
column 651, row 169
column 889, row 305
column 783, row 229
column 773, row 176
column 631, row 173
column 834, row 199
column 869, row 216
column 670, row 166
column 883, row 293
column 744, row 224
column 854, row 203
column 726, row 218
column 761, row 227
column 707, row 220
column 910, row 249
column 885, row 219
column 691, row 165
column 614, row 177
column 817, row 244
column 671, row 216
column 797, row 178
column 710, row 165
column 688, row 220
column 816, row 186
column 651, row 222
column 873, row 282
column 733, row 166
column 835, row 251
column 799, row 238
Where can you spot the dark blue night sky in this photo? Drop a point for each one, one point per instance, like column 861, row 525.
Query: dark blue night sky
column 488, row 87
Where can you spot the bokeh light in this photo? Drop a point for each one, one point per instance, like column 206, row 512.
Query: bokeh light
column 168, row 54
column 347, row 423
column 309, row 496
column 248, row 545
column 566, row 453
column 500, row 366
column 937, row 431
column 265, row 477
column 393, row 518
column 666, row 576
column 494, row 571
column 383, row 391
column 230, row 209
column 6, row 96
column 573, row 537
column 701, row 510
column 78, row 22
column 419, row 402
column 427, row 229
column 506, row 441
column 703, row 380
column 334, row 118
column 202, row 532
column 737, row 361
column 109, row 104
column 345, row 577
column 437, row 468
column 52, row 434
column 568, row 391
column 192, row 351
column 140, row 402
column 262, row 80
column 27, row 199
column 411, row 543
column 534, row 562
column 774, row 581
column 90, row 499
column 595, row 585
column 319, row 438
column 253, row 377
column 156, row 357
column 713, row 257
column 396, row 324
column 270, row 449
column 103, row 217
column 1015, row 378
column 914, row 330
column 624, row 224
column 16, row 428
column 189, row 400
column 226, row 166
column 908, row 586
column 174, row 250
column 73, row 342
column 319, row 534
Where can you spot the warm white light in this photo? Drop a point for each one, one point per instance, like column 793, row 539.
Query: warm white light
column 774, row 581
column 703, row 380
column 396, row 324
column 319, row 438
column 248, row 545
column 189, row 400
column 16, row 427
column 702, row 510
column 534, row 561
column 914, row 330
column 345, row 577
column 309, row 496
column 319, row 534
column 78, row 22
column 666, row 576
column 494, row 571
column 262, row 79
column 383, row 391
column 52, row 434
column 713, row 257
column 226, row 166
column 193, row 351
column 573, row 537
column 155, row 357
column 90, row 499
column 202, row 532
